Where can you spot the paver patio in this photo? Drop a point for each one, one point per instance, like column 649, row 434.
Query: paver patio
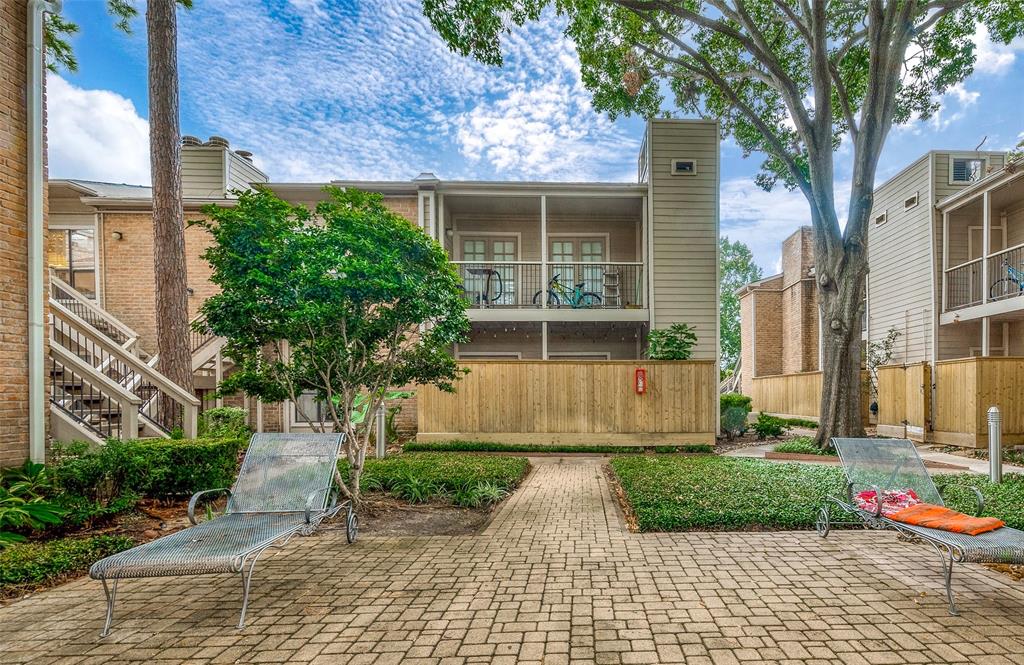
column 555, row 578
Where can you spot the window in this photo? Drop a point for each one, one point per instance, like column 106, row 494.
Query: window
column 684, row 167
column 880, row 219
column 491, row 278
column 910, row 201
column 967, row 169
column 315, row 411
column 72, row 255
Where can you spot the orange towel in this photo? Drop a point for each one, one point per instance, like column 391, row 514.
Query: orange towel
column 937, row 517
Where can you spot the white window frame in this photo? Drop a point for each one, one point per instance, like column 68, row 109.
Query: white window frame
column 984, row 167
column 881, row 219
column 911, row 201
column 675, row 160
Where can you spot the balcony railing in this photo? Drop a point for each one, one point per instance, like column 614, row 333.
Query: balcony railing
column 1006, row 273
column 966, row 285
column 576, row 285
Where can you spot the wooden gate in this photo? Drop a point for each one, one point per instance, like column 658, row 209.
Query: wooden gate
column 904, row 399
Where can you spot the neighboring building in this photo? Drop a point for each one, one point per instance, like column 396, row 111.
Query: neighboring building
column 779, row 331
column 18, row 189
column 909, row 255
column 520, row 247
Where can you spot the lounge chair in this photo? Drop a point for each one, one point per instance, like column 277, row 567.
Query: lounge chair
column 893, row 464
column 285, row 487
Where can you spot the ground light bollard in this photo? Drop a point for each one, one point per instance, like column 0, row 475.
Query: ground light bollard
column 995, row 445
column 382, row 445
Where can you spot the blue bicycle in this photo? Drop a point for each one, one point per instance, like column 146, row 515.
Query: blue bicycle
column 1011, row 285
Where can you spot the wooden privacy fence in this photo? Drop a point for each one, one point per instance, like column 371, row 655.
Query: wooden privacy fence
column 798, row 395
column 575, row 402
column 904, row 401
column 964, row 391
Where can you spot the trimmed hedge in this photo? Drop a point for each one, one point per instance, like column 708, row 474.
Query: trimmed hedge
column 489, row 447
column 727, row 493
column 99, row 481
column 36, row 563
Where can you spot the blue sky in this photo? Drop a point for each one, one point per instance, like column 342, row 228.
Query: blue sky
column 319, row 90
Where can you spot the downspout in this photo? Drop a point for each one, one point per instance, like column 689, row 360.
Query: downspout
column 34, row 99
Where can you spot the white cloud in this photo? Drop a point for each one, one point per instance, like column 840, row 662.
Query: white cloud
column 994, row 58
column 95, row 135
column 322, row 90
column 763, row 219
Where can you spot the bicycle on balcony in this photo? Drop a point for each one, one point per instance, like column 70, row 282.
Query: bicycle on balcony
column 575, row 297
column 1011, row 285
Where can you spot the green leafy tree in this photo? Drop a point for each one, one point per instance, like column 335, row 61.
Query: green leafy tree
column 342, row 302
column 737, row 269
column 790, row 79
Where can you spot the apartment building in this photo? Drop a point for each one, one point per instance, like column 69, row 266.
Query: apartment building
column 571, row 271
column 779, row 320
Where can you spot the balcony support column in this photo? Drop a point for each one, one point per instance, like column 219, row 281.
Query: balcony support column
column 986, row 336
column 544, row 340
column 986, row 243
column 945, row 260
column 544, row 262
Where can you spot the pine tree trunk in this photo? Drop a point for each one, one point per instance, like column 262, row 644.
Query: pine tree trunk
column 168, row 218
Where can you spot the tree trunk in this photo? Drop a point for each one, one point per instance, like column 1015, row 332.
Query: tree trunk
column 168, row 219
column 841, row 299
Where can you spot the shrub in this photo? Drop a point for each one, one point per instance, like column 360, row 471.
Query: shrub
column 35, row 563
column 769, row 426
column 224, row 422
column 96, row 482
column 734, row 409
column 803, row 445
column 683, row 493
column 673, row 343
column 418, row 477
column 23, row 503
column 800, row 422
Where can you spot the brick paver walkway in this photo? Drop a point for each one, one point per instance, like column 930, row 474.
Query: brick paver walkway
column 555, row 578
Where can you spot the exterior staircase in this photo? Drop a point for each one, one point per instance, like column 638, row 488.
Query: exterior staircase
column 103, row 385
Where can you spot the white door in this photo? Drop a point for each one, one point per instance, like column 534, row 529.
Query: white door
column 491, row 277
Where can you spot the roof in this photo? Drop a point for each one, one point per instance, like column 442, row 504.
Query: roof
column 746, row 288
column 107, row 190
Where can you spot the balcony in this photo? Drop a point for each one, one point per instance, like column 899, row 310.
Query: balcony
column 575, row 291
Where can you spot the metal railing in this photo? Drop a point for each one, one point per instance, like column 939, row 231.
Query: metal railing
column 197, row 339
column 1006, row 273
column 964, row 285
column 164, row 405
column 518, row 284
column 94, row 401
column 98, row 318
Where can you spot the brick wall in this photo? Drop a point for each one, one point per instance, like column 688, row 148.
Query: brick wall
column 13, row 235
column 129, row 291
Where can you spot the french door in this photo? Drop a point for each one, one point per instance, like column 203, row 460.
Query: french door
column 490, row 270
column 568, row 253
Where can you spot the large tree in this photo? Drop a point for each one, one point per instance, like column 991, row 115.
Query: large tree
column 792, row 79
column 331, row 308
column 737, row 269
column 169, row 268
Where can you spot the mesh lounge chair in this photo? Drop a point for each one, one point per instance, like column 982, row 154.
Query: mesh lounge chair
column 893, row 464
column 285, row 487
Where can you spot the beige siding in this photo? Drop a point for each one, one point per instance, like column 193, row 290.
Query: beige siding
column 202, row 171
column 684, row 229
column 242, row 173
column 900, row 253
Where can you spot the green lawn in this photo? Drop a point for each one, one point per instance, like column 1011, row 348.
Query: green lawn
column 725, row 493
